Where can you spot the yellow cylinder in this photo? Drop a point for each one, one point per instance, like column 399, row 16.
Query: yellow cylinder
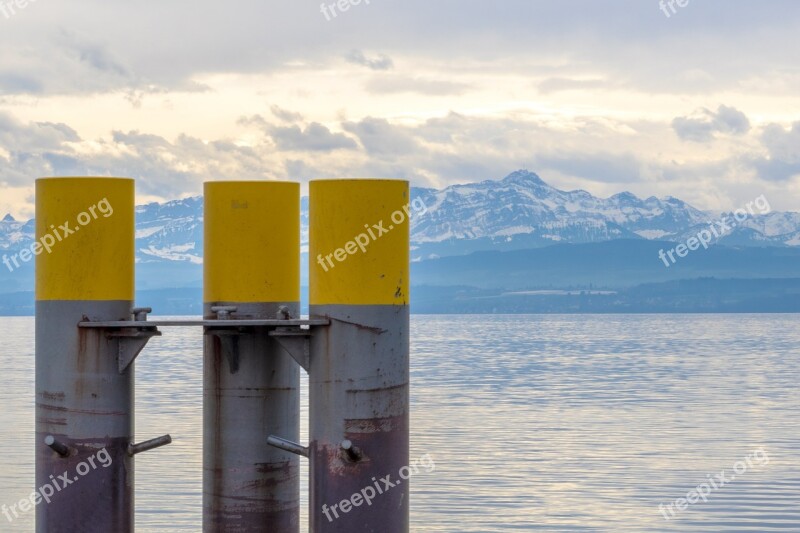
column 358, row 242
column 252, row 242
column 84, row 239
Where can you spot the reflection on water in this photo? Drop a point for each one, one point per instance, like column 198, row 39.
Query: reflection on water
column 552, row 423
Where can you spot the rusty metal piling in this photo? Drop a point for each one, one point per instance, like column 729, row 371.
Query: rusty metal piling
column 251, row 384
column 355, row 347
column 84, row 404
column 359, row 365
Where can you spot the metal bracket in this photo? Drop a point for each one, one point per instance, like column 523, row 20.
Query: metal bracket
column 229, row 339
column 296, row 343
column 131, row 344
column 291, row 333
column 133, row 340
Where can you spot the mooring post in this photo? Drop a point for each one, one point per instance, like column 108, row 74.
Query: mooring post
column 84, row 404
column 251, row 385
column 359, row 365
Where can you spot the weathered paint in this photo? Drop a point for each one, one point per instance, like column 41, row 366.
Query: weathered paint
column 81, row 398
column 250, row 391
column 252, row 242
column 359, row 364
column 359, row 391
column 84, row 402
column 342, row 211
column 251, row 385
column 91, row 262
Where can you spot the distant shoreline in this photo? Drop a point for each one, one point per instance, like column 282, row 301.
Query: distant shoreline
column 691, row 296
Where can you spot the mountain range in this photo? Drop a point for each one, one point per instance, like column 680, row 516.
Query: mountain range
column 518, row 213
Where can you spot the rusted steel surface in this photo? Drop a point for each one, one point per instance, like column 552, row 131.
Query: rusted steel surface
column 100, row 501
column 251, row 390
column 87, row 405
column 359, row 392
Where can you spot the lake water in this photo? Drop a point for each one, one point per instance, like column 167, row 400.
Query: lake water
column 551, row 423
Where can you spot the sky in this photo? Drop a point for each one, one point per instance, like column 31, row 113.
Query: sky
column 701, row 102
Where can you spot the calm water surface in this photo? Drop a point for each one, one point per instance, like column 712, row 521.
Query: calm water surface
column 551, row 423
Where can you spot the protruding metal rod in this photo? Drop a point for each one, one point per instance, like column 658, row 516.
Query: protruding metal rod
column 59, row 447
column 352, row 451
column 287, row 446
column 148, row 445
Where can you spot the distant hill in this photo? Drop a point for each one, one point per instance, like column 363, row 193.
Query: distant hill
column 612, row 265
column 705, row 295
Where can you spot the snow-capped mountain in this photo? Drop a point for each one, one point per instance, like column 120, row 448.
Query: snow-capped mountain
column 523, row 211
column 170, row 232
column 15, row 235
column 520, row 211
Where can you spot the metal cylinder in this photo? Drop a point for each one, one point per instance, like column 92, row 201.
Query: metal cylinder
column 84, row 405
column 359, row 369
column 251, row 385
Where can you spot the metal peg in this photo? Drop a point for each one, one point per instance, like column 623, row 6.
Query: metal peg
column 287, row 446
column 59, row 447
column 353, row 452
column 148, row 445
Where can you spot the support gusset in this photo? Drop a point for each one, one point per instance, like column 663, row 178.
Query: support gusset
column 131, row 343
column 296, row 343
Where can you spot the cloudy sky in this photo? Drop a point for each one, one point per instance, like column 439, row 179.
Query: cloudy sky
column 601, row 95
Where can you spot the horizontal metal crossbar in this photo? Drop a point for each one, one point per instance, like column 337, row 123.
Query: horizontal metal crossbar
column 233, row 323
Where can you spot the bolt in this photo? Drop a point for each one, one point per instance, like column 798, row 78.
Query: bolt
column 224, row 312
column 140, row 313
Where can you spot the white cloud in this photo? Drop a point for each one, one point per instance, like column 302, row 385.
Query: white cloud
column 587, row 93
column 705, row 124
column 783, row 146
column 314, row 137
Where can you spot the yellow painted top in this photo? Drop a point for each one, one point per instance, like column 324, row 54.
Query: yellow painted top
column 85, row 239
column 252, row 241
column 359, row 242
